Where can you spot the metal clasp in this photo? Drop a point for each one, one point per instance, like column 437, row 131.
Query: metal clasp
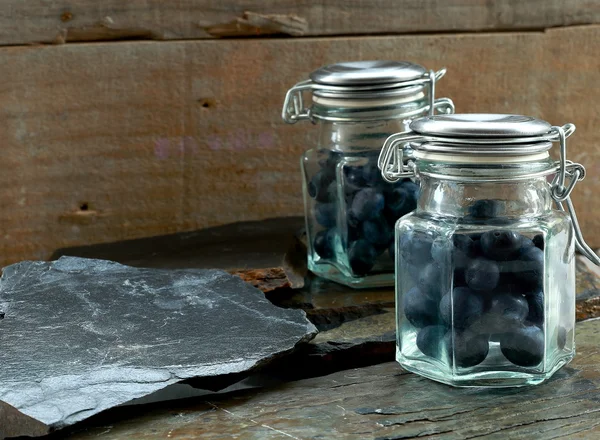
column 391, row 158
column 564, row 182
column 293, row 106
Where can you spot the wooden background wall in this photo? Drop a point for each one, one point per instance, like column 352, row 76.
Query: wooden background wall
column 130, row 119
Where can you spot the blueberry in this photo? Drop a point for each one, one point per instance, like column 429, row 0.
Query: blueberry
column 416, row 247
column 429, row 339
column 506, row 311
column 526, row 242
column 561, row 338
column 531, row 267
column 523, row 346
column 354, row 178
column 322, row 187
column 367, row 204
column 538, row 241
column 500, row 245
column 371, row 174
column 464, row 248
column 485, row 209
column 361, row 256
column 467, row 306
column 467, row 348
column 324, row 243
column 412, row 188
column 399, row 202
column 377, row 231
column 420, row 309
column 482, row 274
column 440, row 250
column 536, row 308
column 328, row 161
column 429, row 280
column 325, row 214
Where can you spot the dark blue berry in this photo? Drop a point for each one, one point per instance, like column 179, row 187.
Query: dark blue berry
column 416, row 247
column 485, row 209
column 325, row 214
column 466, row 348
column 372, row 174
column 440, row 250
column 523, row 346
column 538, row 241
column 500, row 245
column 322, row 187
column 482, row 274
column 505, row 311
column 353, row 178
column 530, row 267
column 377, row 231
column 412, row 188
column 399, row 202
column 526, row 242
column 367, row 204
column 536, row 308
column 420, row 309
column 467, row 306
column 324, row 243
column 429, row 280
column 361, row 257
column 429, row 339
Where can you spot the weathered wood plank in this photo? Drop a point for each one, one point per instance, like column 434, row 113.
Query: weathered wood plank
column 383, row 402
column 39, row 21
column 113, row 141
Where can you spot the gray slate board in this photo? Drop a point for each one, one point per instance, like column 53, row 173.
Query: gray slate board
column 81, row 336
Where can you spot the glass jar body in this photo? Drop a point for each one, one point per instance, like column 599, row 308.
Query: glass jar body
column 485, row 290
column 350, row 210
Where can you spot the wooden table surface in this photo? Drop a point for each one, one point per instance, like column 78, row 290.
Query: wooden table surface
column 382, row 402
column 334, row 398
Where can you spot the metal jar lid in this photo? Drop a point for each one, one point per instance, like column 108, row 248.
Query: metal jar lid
column 475, row 138
column 364, row 83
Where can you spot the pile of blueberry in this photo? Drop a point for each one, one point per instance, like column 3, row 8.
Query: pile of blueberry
column 497, row 295
column 364, row 205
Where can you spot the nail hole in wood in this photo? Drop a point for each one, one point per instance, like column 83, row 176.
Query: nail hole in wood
column 84, row 207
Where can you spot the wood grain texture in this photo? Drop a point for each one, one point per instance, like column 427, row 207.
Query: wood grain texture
column 111, row 141
column 40, row 21
column 382, row 402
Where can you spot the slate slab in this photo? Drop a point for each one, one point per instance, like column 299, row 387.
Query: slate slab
column 80, row 336
column 265, row 253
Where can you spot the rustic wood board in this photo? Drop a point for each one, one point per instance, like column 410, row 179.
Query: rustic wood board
column 383, row 402
column 111, row 141
column 39, row 21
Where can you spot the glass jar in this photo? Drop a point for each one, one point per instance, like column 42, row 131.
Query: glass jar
column 349, row 209
column 485, row 287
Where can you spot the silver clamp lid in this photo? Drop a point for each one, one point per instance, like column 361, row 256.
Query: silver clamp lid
column 364, row 80
column 480, row 134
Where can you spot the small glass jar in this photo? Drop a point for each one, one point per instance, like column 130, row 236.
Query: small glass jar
column 349, row 209
column 485, row 287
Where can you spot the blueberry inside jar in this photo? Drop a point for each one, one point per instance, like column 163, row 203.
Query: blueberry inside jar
column 485, row 284
column 350, row 209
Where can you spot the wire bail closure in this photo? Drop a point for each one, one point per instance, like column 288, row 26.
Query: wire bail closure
column 397, row 147
column 294, row 109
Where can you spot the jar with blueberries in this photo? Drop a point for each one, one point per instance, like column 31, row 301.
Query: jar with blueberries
column 485, row 292
column 349, row 209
